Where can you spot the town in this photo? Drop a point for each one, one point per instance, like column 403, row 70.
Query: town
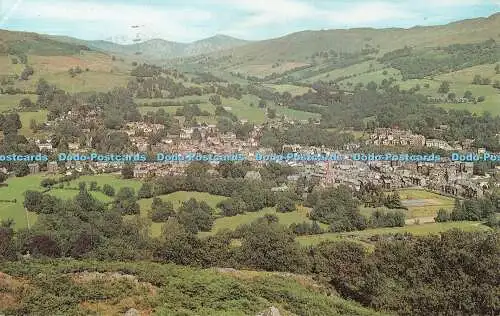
column 447, row 177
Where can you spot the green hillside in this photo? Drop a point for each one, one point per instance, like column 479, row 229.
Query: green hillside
column 35, row 44
column 297, row 49
column 113, row 288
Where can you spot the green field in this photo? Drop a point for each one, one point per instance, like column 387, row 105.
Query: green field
column 376, row 76
column 17, row 186
column 114, row 180
column 341, row 72
column 424, row 229
column 26, row 117
column 14, row 190
column 9, row 102
column 292, row 89
column 245, row 109
column 430, row 204
column 69, row 194
column 177, row 198
column 88, row 81
column 434, row 202
column 231, row 223
column 103, row 75
column 460, row 82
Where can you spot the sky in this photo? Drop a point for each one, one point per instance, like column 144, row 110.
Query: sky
column 191, row 20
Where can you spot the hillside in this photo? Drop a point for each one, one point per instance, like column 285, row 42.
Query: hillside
column 84, row 288
column 298, row 49
column 36, row 44
column 52, row 60
column 159, row 49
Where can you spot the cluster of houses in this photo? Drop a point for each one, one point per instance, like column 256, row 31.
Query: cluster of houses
column 454, row 178
column 400, row 137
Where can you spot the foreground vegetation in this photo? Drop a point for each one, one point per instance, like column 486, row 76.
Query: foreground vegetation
column 91, row 287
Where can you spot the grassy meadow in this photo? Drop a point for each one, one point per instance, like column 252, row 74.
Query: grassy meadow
column 26, row 117
column 422, row 229
column 14, row 190
column 245, row 109
column 9, row 102
column 100, row 72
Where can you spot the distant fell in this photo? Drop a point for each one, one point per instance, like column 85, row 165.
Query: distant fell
column 12, row 42
column 160, row 49
column 300, row 46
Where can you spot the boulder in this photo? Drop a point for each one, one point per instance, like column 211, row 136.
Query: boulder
column 271, row 311
column 132, row 312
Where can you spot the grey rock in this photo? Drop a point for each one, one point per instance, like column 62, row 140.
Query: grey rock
column 271, row 311
column 132, row 312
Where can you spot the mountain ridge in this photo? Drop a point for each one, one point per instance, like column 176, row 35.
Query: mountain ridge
column 157, row 47
column 293, row 47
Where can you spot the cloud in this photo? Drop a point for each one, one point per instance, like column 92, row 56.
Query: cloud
column 116, row 19
column 190, row 20
column 261, row 14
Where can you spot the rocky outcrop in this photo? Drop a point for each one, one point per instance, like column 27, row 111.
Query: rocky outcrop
column 132, row 312
column 271, row 311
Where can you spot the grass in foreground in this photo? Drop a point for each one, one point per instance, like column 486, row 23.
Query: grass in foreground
column 165, row 289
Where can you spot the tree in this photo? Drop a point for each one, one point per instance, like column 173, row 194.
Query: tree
column 497, row 69
column 108, row 190
column 215, row 99
column 481, row 99
column 48, row 182
column 262, row 103
column 3, row 177
column 161, row 211
column 27, row 72
column 271, row 247
column 442, row 216
column 33, row 201
column 271, row 113
column 468, row 95
column 232, row 206
column 477, row 79
column 285, row 204
column 146, row 191
column 22, row 170
column 196, row 216
column 178, row 245
column 26, row 103
column 125, row 202
column 128, row 171
column 7, row 245
column 196, row 135
column 444, row 87
column 93, row 186
column 372, row 85
column 33, row 125
column 338, row 208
